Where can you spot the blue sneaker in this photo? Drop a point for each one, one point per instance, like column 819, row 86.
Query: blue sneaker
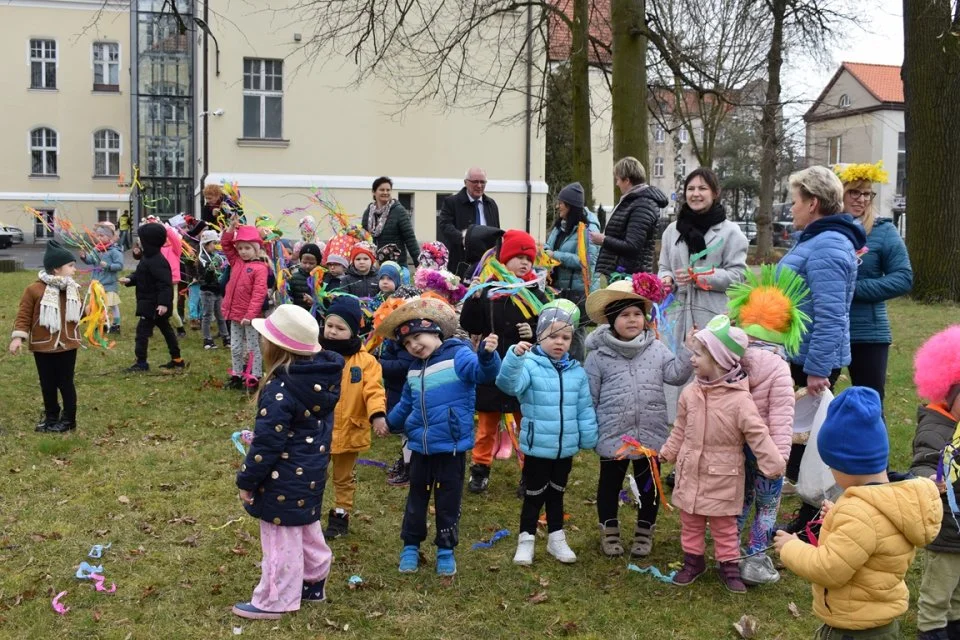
column 314, row 591
column 410, row 559
column 446, row 565
column 250, row 612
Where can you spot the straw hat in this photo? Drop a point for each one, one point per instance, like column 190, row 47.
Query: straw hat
column 292, row 328
column 416, row 308
column 620, row 290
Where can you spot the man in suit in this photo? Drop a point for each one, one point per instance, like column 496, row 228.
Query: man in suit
column 470, row 206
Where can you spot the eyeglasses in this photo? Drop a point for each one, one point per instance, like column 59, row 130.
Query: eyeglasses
column 479, row 182
column 856, row 194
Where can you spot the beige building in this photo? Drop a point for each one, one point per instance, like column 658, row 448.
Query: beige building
column 859, row 118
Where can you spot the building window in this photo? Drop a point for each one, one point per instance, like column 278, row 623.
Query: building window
column 659, row 134
column 833, row 150
column 107, row 215
column 901, row 163
column 106, row 66
column 683, row 135
column 844, row 101
column 43, row 152
column 407, row 200
column 262, row 98
column 658, row 167
column 44, row 229
column 682, row 167
column 43, row 64
column 106, row 153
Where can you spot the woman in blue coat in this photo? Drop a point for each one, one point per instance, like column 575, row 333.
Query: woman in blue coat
column 884, row 273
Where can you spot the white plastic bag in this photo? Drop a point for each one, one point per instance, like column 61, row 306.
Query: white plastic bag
column 815, row 482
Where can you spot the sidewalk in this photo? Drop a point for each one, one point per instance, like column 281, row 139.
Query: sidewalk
column 32, row 256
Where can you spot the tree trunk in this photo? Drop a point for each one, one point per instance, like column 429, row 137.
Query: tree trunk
column 629, row 82
column 580, row 95
column 931, row 67
column 769, row 123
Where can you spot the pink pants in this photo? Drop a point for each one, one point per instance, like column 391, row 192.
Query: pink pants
column 291, row 556
column 726, row 538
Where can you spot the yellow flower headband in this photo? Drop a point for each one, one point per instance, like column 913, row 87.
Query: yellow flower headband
column 864, row 172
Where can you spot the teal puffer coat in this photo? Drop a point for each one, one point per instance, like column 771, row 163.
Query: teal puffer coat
column 558, row 415
column 569, row 275
column 884, row 273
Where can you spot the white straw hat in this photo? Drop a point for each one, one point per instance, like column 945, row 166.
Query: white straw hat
column 292, row 328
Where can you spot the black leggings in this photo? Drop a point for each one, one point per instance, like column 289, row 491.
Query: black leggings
column 56, row 376
column 796, row 450
column 868, row 365
column 612, row 473
column 145, row 330
column 544, row 480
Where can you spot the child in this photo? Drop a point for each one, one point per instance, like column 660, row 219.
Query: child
column 282, row 479
column 362, row 279
column 392, row 253
column 47, row 319
column 336, row 270
column 211, row 267
column 767, row 308
column 936, row 372
column 389, row 279
column 154, row 284
column 715, row 418
column 436, row 413
column 362, row 403
column 869, row 537
column 107, row 261
column 172, row 250
column 243, row 301
column 300, row 293
column 559, row 420
column 433, row 255
column 502, row 315
column 627, row 368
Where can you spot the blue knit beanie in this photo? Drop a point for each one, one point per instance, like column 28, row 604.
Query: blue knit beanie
column 853, row 438
column 391, row 270
column 347, row 308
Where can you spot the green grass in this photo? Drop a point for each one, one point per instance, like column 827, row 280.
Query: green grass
column 163, row 443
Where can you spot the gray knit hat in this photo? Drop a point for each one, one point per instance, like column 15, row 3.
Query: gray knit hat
column 572, row 194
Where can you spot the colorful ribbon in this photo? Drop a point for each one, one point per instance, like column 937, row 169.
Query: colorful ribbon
column 85, row 571
column 486, row 544
column 96, row 551
column 653, row 571
column 372, row 463
column 632, row 446
column 241, row 438
column 98, row 583
column 57, row 605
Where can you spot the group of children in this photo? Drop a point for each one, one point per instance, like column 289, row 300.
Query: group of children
column 410, row 363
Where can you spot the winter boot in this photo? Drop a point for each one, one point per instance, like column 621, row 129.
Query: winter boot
column 521, row 488
column 557, row 547
column 402, row 478
column 524, row 554
column 176, row 364
column 479, row 478
column 642, row 541
column 671, row 479
column 943, row 633
column 504, row 446
column 610, row 539
column 138, row 367
column 314, row 592
column 730, row 577
column 46, row 422
column 395, row 468
column 757, row 570
column 338, row 524
column 63, row 425
column 234, row 383
column 693, row 568
column 209, row 344
column 409, row 559
column 226, row 341
column 446, row 564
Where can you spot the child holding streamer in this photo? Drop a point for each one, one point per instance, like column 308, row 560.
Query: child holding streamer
column 281, row 481
column 243, row 301
column 627, row 367
column 107, row 261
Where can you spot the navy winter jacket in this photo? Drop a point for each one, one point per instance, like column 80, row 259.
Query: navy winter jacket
column 395, row 362
column 437, row 403
column 884, row 273
column 825, row 256
column 286, row 467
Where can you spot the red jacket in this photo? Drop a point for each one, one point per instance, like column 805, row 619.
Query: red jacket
column 247, row 287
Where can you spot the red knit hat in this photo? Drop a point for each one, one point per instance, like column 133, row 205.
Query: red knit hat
column 363, row 248
column 517, row 243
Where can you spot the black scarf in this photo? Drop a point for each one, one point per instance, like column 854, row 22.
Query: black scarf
column 345, row 348
column 692, row 226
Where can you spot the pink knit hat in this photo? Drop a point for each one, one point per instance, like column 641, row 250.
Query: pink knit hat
column 726, row 344
column 247, row 233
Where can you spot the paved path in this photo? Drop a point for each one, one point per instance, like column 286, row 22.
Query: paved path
column 32, row 256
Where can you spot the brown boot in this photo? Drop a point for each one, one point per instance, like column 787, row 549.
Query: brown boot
column 693, row 568
column 610, row 539
column 642, row 541
column 730, row 577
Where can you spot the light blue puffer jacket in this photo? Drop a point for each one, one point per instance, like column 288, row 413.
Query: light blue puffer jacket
column 106, row 275
column 558, row 415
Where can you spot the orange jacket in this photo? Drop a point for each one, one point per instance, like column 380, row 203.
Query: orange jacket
column 361, row 398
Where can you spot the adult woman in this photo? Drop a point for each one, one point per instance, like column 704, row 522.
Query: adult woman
column 627, row 244
column 562, row 246
column 389, row 223
column 884, row 273
column 719, row 246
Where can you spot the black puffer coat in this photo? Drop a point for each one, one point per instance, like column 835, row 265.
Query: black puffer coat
column 153, row 278
column 397, row 230
column 935, row 431
column 631, row 233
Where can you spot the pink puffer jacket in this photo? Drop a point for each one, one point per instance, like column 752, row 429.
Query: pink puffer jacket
column 247, row 287
column 171, row 250
column 772, row 389
column 713, row 423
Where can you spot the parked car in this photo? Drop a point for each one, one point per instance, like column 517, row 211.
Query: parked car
column 6, row 239
column 782, row 234
column 749, row 229
column 15, row 232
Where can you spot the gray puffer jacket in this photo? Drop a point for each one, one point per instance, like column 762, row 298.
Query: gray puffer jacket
column 626, row 382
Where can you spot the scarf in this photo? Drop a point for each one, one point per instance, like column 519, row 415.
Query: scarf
column 692, row 226
column 50, row 302
column 377, row 217
column 345, row 348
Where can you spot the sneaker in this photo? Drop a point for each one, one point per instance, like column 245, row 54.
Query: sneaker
column 395, row 468
column 62, row 426
column 730, row 577
column 446, row 564
column 314, row 592
column 557, row 547
column 410, row 559
column 610, row 539
column 693, row 567
column 138, row 367
column 114, row 329
column 642, row 541
column 479, row 478
column 226, row 341
column 401, row 479
column 46, row 422
column 757, row 570
column 235, row 382
column 338, row 524
column 173, row 365
column 209, row 344
column 524, row 554
column 250, row 612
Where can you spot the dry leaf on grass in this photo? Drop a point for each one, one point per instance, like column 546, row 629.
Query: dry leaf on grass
column 538, row 597
column 746, row 627
column 189, row 541
column 794, row 609
column 544, row 581
column 123, row 500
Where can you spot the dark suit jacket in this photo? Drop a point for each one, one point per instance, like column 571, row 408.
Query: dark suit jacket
column 456, row 215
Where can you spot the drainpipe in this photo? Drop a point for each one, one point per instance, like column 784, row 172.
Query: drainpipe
column 529, row 116
column 206, row 102
column 134, row 108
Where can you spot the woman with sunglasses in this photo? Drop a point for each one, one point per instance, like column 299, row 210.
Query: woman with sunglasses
column 884, row 273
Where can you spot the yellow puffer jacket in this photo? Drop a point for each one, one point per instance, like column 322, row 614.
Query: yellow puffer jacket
column 867, row 543
column 361, row 398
